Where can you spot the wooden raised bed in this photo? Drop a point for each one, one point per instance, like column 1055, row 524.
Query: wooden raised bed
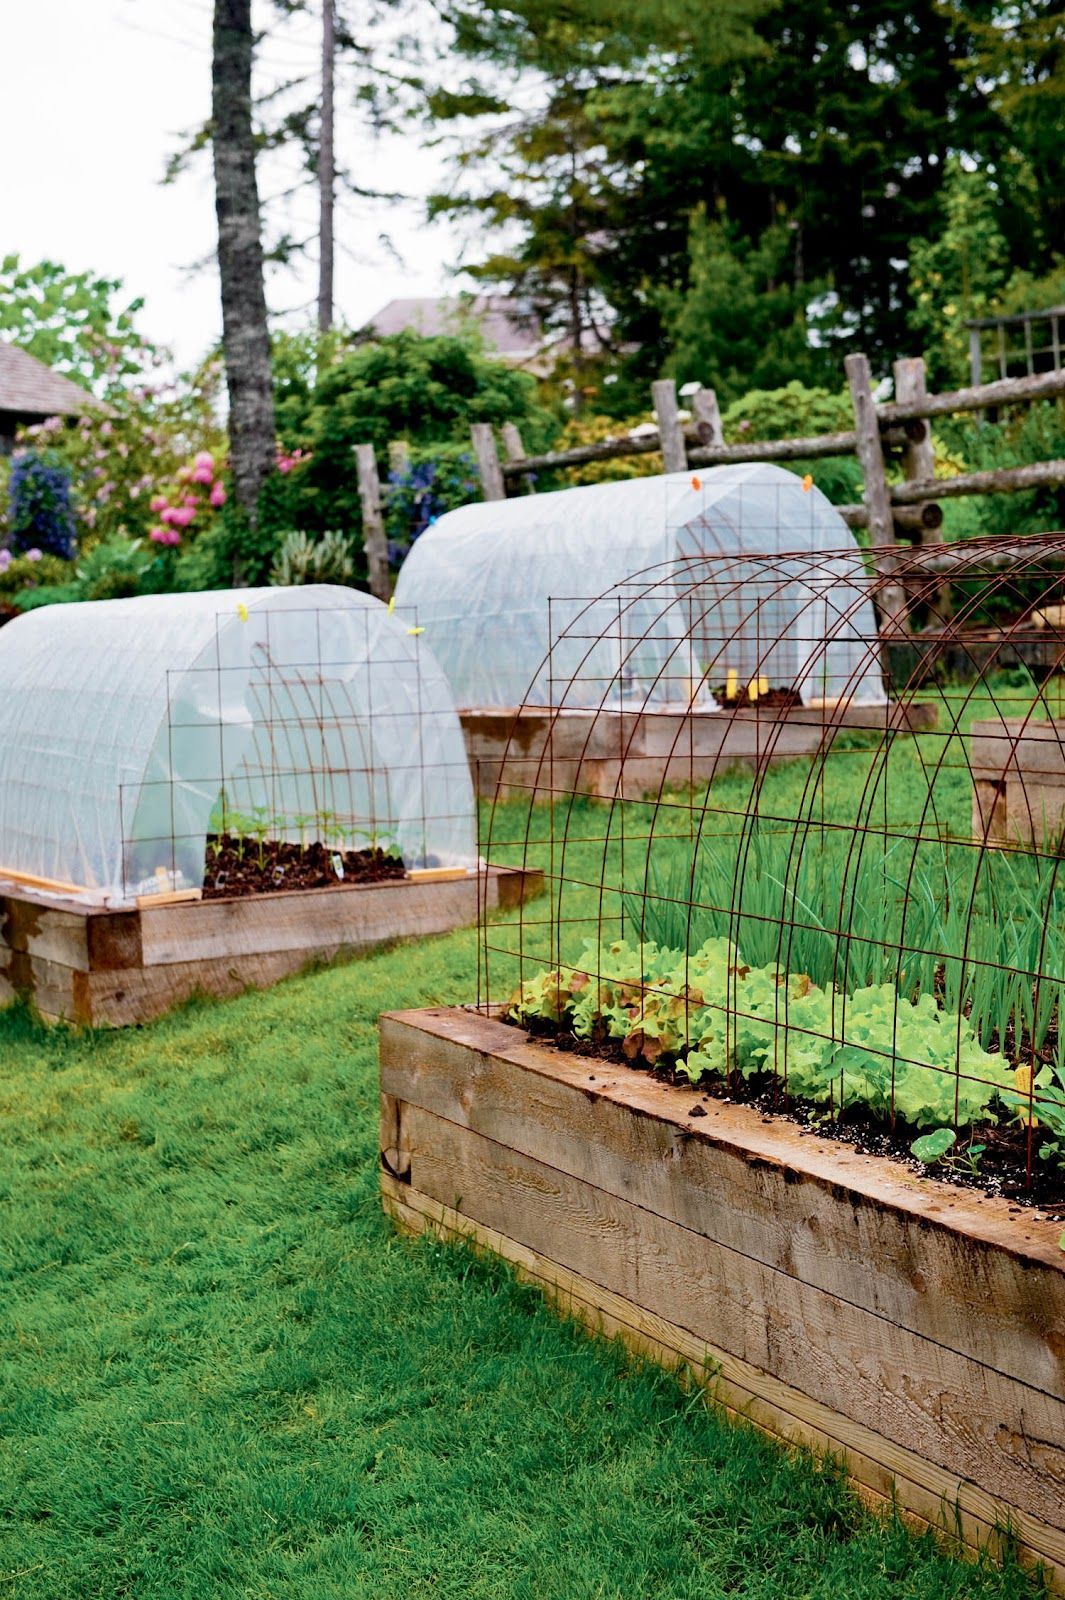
column 833, row 1299
column 84, row 964
column 633, row 753
column 1018, row 772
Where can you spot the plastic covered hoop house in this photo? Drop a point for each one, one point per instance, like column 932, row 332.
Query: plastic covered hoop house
column 125, row 723
column 504, row 592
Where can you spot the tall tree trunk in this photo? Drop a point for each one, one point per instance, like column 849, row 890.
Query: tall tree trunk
column 326, row 171
column 245, row 335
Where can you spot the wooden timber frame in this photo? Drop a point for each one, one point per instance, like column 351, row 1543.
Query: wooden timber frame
column 912, row 1328
column 542, row 752
column 895, row 514
column 93, row 966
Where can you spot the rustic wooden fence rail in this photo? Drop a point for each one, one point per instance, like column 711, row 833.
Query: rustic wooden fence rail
column 895, row 431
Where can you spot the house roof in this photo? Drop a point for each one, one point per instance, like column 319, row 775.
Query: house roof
column 515, row 337
column 29, row 388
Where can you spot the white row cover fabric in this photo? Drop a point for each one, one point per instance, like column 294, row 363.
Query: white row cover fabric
column 647, row 591
column 130, row 729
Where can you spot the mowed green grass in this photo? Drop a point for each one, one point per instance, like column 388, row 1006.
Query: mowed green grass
column 224, row 1374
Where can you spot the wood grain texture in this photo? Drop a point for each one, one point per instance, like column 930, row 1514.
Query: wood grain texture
column 116, row 968
column 966, row 1418
column 883, row 1472
column 927, row 1320
column 635, row 753
column 633, row 1138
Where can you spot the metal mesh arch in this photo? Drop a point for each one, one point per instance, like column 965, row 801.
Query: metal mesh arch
column 847, row 912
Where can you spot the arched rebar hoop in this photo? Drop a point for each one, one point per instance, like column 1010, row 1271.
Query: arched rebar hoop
column 924, row 585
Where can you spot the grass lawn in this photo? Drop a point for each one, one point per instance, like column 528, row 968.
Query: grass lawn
column 223, row 1374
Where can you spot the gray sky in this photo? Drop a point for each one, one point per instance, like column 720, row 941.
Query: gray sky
column 94, row 95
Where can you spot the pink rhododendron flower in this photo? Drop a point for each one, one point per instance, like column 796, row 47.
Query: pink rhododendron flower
column 202, row 474
column 167, row 536
column 190, row 500
column 34, row 554
column 218, row 494
column 158, row 502
column 5, row 560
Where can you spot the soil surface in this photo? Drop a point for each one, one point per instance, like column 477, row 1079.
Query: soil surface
column 772, row 700
column 1009, row 1166
column 243, row 866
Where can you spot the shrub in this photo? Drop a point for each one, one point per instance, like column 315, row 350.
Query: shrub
column 40, row 514
column 301, row 559
column 30, row 571
column 435, row 480
column 116, row 568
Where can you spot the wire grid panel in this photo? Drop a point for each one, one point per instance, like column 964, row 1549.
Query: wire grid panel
column 303, row 725
column 126, row 725
column 850, row 902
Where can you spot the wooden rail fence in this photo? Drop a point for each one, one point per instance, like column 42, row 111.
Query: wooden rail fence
column 895, row 431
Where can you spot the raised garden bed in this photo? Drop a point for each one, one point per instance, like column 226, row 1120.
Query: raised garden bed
column 1018, row 772
column 86, row 964
column 833, row 1298
column 634, row 753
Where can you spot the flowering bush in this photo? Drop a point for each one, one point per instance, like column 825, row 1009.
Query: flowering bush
column 123, row 459
column 197, row 493
column 434, row 481
column 40, row 514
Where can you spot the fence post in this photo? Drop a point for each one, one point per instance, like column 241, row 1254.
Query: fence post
column 706, row 409
column 919, row 458
column 875, row 489
column 670, row 432
column 484, row 449
column 373, row 523
column 513, row 448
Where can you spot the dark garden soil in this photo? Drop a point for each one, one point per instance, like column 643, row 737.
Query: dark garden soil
column 772, row 700
column 243, row 866
column 1010, row 1165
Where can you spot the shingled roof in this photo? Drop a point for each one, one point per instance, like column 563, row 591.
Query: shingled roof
column 30, row 389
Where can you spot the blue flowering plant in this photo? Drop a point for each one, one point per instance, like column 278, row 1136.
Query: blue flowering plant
column 40, row 512
column 433, row 481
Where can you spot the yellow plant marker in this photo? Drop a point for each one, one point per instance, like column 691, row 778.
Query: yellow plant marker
column 415, row 630
column 752, row 690
column 242, row 611
column 763, row 685
column 391, row 604
column 807, row 483
column 731, row 681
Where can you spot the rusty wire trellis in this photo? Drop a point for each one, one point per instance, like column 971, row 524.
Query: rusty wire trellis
column 818, row 901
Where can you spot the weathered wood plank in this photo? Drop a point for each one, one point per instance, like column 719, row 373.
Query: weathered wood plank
column 997, row 480
column 670, row 432
column 374, row 538
column 1003, row 392
column 33, row 928
column 881, row 1470
column 706, row 410
column 311, row 921
column 875, row 494
column 964, row 1417
column 487, row 457
column 580, row 1118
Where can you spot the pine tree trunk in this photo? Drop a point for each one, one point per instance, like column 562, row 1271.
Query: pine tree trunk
column 326, row 172
column 245, row 335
